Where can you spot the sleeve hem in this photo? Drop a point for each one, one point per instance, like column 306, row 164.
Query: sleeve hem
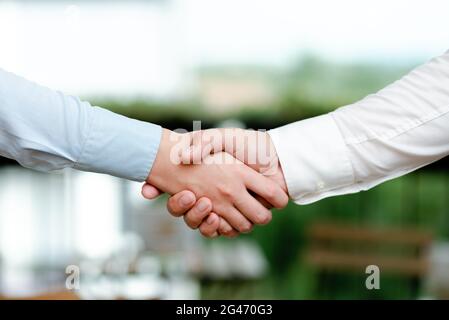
column 120, row 146
column 317, row 162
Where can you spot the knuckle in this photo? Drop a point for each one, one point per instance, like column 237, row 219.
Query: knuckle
column 203, row 206
column 271, row 191
column 284, row 201
column 226, row 190
column 281, row 201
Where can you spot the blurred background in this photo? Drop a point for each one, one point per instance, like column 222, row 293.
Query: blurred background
column 255, row 64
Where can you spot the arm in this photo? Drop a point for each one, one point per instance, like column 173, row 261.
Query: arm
column 388, row 134
column 46, row 130
column 397, row 130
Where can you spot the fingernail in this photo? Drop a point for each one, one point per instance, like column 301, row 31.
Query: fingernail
column 247, row 228
column 211, row 219
column 203, row 206
column 186, row 200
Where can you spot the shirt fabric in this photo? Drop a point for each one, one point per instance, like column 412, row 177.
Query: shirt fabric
column 46, row 130
column 399, row 129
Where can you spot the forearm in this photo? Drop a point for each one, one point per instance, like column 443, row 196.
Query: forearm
column 46, row 130
column 399, row 129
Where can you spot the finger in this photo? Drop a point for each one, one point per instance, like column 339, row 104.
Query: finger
column 209, row 228
column 190, row 155
column 196, row 153
column 203, row 143
column 187, row 155
column 196, row 215
column 181, row 202
column 252, row 209
column 263, row 202
column 199, row 149
column 150, row 192
column 264, row 187
column 226, row 230
column 235, row 218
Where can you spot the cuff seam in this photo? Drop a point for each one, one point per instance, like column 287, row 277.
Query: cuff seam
column 306, row 170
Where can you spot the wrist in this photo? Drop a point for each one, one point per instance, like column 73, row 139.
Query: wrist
column 167, row 160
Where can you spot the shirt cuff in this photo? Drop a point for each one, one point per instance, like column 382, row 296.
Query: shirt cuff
column 313, row 157
column 119, row 146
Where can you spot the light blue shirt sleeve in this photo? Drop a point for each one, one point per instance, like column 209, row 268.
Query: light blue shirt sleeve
column 46, row 130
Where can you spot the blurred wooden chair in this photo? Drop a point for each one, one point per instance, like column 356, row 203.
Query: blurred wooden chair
column 344, row 248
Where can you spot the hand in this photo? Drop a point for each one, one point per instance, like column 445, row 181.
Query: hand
column 252, row 147
column 222, row 179
column 194, row 212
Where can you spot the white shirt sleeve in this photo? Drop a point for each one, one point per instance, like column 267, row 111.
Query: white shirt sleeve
column 46, row 130
column 388, row 134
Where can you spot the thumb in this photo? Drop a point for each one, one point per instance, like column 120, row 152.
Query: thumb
column 150, row 192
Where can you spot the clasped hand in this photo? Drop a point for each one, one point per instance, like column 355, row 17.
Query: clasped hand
column 222, row 181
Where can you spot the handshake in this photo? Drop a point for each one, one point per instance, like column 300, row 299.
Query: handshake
column 222, row 181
